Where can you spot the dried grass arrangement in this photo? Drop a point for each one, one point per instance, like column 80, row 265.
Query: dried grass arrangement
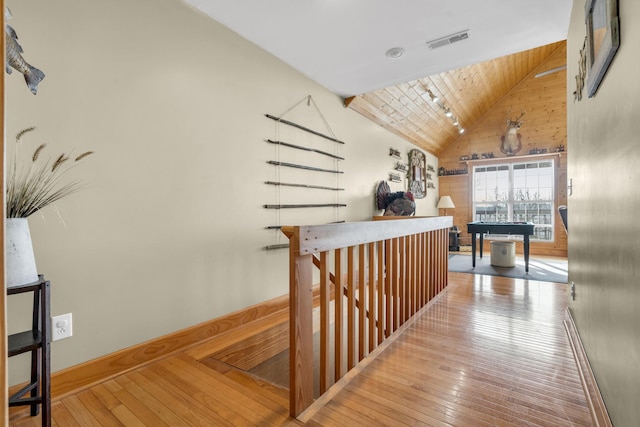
column 38, row 184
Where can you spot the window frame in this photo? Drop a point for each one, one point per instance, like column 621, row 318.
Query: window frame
column 509, row 163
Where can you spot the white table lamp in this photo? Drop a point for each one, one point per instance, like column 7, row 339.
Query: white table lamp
column 445, row 202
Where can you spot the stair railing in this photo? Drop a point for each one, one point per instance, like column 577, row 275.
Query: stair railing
column 381, row 272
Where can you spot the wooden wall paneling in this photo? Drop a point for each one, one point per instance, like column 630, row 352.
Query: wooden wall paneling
column 457, row 187
column 544, row 100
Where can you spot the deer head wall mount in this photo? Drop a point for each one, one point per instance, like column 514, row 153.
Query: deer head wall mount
column 512, row 140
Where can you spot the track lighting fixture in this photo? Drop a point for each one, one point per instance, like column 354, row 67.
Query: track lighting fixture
column 433, row 97
column 447, row 111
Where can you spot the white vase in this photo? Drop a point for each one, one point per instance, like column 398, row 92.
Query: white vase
column 20, row 262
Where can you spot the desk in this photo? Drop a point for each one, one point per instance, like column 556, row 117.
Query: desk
column 518, row 228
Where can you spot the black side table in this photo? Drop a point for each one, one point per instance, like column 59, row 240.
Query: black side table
column 38, row 342
column 454, row 240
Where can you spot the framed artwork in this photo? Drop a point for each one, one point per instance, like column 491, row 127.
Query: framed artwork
column 603, row 39
column 417, row 174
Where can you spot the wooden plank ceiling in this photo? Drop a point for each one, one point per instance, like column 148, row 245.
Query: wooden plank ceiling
column 469, row 92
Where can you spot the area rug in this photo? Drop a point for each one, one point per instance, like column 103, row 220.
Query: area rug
column 545, row 270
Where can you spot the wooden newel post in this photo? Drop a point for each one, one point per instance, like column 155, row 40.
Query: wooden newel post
column 300, row 327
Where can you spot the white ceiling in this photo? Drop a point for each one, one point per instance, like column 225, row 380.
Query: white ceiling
column 341, row 44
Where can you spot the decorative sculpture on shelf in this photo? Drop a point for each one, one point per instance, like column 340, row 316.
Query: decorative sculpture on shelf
column 399, row 203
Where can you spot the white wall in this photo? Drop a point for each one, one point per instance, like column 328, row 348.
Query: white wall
column 169, row 230
column 604, row 247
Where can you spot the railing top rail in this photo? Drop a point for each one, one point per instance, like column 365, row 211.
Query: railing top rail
column 319, row 238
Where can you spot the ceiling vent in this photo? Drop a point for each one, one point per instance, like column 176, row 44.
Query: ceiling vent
column 443, row 41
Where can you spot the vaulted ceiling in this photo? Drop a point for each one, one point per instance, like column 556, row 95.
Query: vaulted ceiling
column 348, row 47
column 407, row 109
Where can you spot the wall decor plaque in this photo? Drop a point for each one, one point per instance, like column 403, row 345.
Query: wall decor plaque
column 417, row 174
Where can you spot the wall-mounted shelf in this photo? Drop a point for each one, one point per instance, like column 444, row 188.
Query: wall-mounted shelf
column 513, row 158
column 395, row 153
column 453, row 174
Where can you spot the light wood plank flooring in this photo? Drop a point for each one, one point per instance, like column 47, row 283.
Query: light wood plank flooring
column 490, row 351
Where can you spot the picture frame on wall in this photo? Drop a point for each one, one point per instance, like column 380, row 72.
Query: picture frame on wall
column 603, row 40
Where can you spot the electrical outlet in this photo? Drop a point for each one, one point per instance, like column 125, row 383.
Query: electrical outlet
column 61, row 327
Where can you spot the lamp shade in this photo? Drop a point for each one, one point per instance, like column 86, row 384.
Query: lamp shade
column 445, row 202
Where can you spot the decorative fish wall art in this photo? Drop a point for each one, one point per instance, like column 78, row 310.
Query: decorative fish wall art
column 32, row 75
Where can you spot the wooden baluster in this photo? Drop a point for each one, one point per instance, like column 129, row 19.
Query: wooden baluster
column 380, row 284
column 432, row 273
column 417, row 273
column 371, row 292
column 325, row 357
column 362, row 303
column 423, row 269
column 402, row 279
column 351, row 307
column 388, row 285
column 436, row 261
column 419, row 260
column 444, row 264
column 395, row 285
column 441, row 273
column 301, row 328
column 427, row 262
column 412, row 275
column 338, row 315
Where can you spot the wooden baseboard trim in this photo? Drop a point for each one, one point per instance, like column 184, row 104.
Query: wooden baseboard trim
column 596, row 404
column 85, row 374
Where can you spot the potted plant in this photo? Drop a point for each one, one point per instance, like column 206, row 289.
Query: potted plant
column 31, row 186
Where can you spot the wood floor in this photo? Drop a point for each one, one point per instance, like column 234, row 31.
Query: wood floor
column 490, row 351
